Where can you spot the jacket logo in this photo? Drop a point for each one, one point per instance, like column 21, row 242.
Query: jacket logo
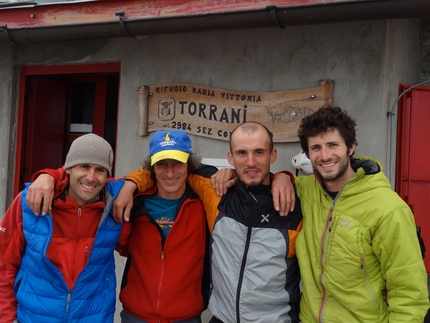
column 265, row 218
column 2, row 229
column 346, row 224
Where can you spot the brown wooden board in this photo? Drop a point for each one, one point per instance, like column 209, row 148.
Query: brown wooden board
column 212, row 112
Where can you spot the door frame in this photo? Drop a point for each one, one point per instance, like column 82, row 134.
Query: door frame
column 109, row 67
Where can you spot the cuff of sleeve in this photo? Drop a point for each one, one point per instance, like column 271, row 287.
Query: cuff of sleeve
column 292, row 178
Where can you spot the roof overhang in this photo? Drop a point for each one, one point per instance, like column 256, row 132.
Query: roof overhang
column 31, row 23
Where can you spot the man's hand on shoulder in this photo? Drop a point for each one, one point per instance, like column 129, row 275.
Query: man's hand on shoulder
column 40, row 194
column 284, row 197
column 223, row 180
column 124, row 202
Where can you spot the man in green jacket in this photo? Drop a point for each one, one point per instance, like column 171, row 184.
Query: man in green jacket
column 358, row 250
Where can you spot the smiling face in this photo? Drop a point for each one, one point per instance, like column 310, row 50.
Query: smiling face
column 171, row 176
column 251, row 154
column 331, row 158
column 85, row 183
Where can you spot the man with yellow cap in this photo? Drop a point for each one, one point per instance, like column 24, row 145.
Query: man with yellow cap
column 166, row 277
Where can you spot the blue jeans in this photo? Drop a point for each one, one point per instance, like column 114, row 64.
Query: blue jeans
column 128, row 318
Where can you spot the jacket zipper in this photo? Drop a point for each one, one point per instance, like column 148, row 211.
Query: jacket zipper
column 69, row 296
column 86, row 254
column 79, row 218
column 162, row 255
column 329, row 225
column 242, row 266
column 328, row 229
column 242, row 270
column 68, row 300
column 56, row 271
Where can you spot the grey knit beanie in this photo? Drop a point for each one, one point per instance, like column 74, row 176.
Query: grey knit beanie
column 90, row 149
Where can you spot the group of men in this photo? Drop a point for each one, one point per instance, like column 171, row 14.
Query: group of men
column 347, row 251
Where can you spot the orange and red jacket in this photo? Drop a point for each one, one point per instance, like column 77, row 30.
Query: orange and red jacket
column 166, row 278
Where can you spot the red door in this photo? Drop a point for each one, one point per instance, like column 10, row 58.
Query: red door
column 413, row 155
column 44, row 125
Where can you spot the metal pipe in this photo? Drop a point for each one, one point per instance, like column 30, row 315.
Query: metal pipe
column 263, row 18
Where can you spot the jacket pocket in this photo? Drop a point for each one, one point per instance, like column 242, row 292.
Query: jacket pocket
column 367, row 282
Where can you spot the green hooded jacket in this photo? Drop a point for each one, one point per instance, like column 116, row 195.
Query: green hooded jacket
column 354, row 247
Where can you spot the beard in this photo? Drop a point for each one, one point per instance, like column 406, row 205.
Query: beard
column 254, row 181
column 343, row 168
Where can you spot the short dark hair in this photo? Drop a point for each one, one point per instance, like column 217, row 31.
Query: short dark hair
column 251, row 127
column 326, row 119
column 193, row 162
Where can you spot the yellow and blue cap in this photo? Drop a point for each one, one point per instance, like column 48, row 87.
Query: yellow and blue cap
column 170, row 144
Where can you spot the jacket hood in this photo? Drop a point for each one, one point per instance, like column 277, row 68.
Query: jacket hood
column 371, row 168
column 369, row 165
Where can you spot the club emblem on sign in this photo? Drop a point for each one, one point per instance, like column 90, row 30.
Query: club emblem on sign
column 166, row 109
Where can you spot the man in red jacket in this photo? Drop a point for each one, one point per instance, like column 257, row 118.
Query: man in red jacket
column 165, row 279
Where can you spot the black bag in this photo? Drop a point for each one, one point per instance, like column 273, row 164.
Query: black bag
column 421, row 241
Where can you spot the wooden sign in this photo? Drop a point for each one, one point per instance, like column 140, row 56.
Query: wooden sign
column 214, row 113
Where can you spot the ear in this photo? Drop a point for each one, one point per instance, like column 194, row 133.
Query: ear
column 352, row 149
column 230, row 158
column 273, row 155
column 68, row 171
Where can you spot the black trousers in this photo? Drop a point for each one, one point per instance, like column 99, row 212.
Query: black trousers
column 215, row 320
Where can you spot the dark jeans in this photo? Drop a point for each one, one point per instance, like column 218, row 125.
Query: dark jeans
column 215, row 320
column 128, row 318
